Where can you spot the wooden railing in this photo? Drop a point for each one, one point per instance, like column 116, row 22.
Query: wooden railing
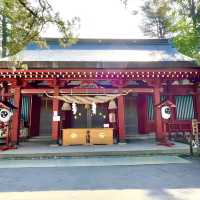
column 179, row 126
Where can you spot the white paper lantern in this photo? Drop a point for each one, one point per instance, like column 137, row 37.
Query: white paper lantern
column 112, row 105
column 166, row 112
column 112, row 117
column 5, row 115
column 66, row 107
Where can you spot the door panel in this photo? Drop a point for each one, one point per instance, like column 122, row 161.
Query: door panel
column 46, row 117
column 131, row 116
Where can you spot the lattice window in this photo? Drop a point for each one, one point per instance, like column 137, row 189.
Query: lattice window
column 150, row 106
column 25, row 108
column 150, row 110
column 184, row 107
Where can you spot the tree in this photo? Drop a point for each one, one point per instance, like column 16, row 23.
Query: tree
column 156, row 18
column 178, row 18
column 186, row 27
column 23, row 21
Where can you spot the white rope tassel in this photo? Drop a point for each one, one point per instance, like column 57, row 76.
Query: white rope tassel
column 74, row 108
column 94, row 108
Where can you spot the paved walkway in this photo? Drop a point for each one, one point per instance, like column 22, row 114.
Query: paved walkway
column 158, row 181
column 29, row 149
column 93, row 161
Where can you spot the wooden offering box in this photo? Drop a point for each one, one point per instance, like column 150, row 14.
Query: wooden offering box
column 101, row 136
column 74, row 136
column 78, row 136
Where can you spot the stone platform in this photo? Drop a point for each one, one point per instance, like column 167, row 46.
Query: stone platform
column 135, row 148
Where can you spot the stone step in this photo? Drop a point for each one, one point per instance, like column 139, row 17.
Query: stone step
column 40, row 139
column 93, row 161
column 139, row 148
column 140, row 136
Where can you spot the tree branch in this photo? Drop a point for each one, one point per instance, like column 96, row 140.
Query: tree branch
column 27, row 8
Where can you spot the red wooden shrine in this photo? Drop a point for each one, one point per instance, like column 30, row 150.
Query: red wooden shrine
column 146, row 69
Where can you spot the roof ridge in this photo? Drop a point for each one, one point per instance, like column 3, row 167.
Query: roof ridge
column 117, row 41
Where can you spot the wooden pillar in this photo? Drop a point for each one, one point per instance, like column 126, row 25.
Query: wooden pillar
column 196, row 100
column 55, row 130
column 173, row 110
column 35, row 110
column 121, row 118
column 15, row 131
column 171, row 97
column 158, row 120
column 142, row 113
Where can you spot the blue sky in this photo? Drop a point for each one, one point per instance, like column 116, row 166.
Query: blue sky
column 100, row 18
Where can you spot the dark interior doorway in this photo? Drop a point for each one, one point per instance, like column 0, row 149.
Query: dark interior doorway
column 85, row 119
column 45, row 117
column 131, row 115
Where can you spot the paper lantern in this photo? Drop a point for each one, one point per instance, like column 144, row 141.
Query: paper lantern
column 87, row 106
column 5, row 115
column 112, row 118
column 66, row 107
column 166, row 112
column 112, row 105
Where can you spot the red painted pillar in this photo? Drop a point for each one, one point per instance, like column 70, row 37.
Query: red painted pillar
column 15, row 131
column 158, row 120
column 55, row 130
column 196, row 101
column 142, row 113
column 35, row 109
column 121, row 118
column 173, row 110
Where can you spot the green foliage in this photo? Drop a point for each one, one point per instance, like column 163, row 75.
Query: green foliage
column 186, row 39
column 186, row 27
column 25, row 21
column 156, row 18
column 178, row 18
column 190, row 10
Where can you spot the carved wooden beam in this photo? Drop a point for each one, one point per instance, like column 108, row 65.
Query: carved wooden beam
column 119, row 83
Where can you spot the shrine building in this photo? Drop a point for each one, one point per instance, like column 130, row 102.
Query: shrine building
column 100, row 83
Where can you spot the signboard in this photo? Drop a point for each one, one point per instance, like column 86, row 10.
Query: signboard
column 56, row 117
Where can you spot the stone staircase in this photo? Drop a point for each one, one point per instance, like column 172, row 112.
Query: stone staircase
column 40, row 140
column 136, row 136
